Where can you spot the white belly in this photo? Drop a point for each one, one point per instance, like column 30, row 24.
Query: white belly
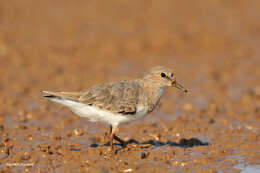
column 95, row 114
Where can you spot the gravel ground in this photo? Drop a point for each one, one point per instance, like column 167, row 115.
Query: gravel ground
column 69, row 46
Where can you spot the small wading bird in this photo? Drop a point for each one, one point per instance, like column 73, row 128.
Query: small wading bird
column 118, row 102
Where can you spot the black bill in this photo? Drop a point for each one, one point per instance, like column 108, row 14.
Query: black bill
column 179, row 86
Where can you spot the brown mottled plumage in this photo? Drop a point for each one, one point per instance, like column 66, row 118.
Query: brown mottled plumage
column 119, row 97
column 121, row 101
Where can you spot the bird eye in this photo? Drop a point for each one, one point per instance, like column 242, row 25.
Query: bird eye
column 163, row 74
column 171, row 74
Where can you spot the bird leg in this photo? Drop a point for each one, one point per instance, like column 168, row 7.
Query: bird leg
column 111, row 141
column 110, row 129
column 113, row 136
column 121, row 141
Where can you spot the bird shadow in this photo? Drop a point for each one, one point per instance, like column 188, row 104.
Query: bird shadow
column 183, row 143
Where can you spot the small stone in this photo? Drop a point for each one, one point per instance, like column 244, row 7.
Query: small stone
column 143, row 145
column 211, row 121
column 128, row 170
column 156, row 136
column 25, row 156
column 78, row 132
column 144, row 155
column 56, row 137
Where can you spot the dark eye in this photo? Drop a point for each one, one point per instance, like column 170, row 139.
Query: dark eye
column 163, row 74
column 172, row 75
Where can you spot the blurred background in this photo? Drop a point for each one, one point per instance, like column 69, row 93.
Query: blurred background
column 73, row 45
column 213, row 47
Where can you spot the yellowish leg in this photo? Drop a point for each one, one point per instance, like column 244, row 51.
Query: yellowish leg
column 113, row 136
column 121, row 141
column 111, row 141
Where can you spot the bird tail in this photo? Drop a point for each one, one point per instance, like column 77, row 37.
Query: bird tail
column 73, row 96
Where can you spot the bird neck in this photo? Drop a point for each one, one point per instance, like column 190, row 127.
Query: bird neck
column 151, row 94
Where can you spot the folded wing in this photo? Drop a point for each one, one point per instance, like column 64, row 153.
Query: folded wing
column 120, row 97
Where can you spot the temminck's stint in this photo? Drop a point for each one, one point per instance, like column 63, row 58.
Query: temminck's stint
column 118, row 102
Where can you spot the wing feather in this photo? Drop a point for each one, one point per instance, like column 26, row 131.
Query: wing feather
column 119, row 97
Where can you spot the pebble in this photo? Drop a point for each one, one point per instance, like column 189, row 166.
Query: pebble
column 78, row 132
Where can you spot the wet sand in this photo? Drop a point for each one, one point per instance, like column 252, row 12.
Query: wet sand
column 212, row 46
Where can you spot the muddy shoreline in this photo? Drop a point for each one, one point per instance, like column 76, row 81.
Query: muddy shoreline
column 212, row 47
